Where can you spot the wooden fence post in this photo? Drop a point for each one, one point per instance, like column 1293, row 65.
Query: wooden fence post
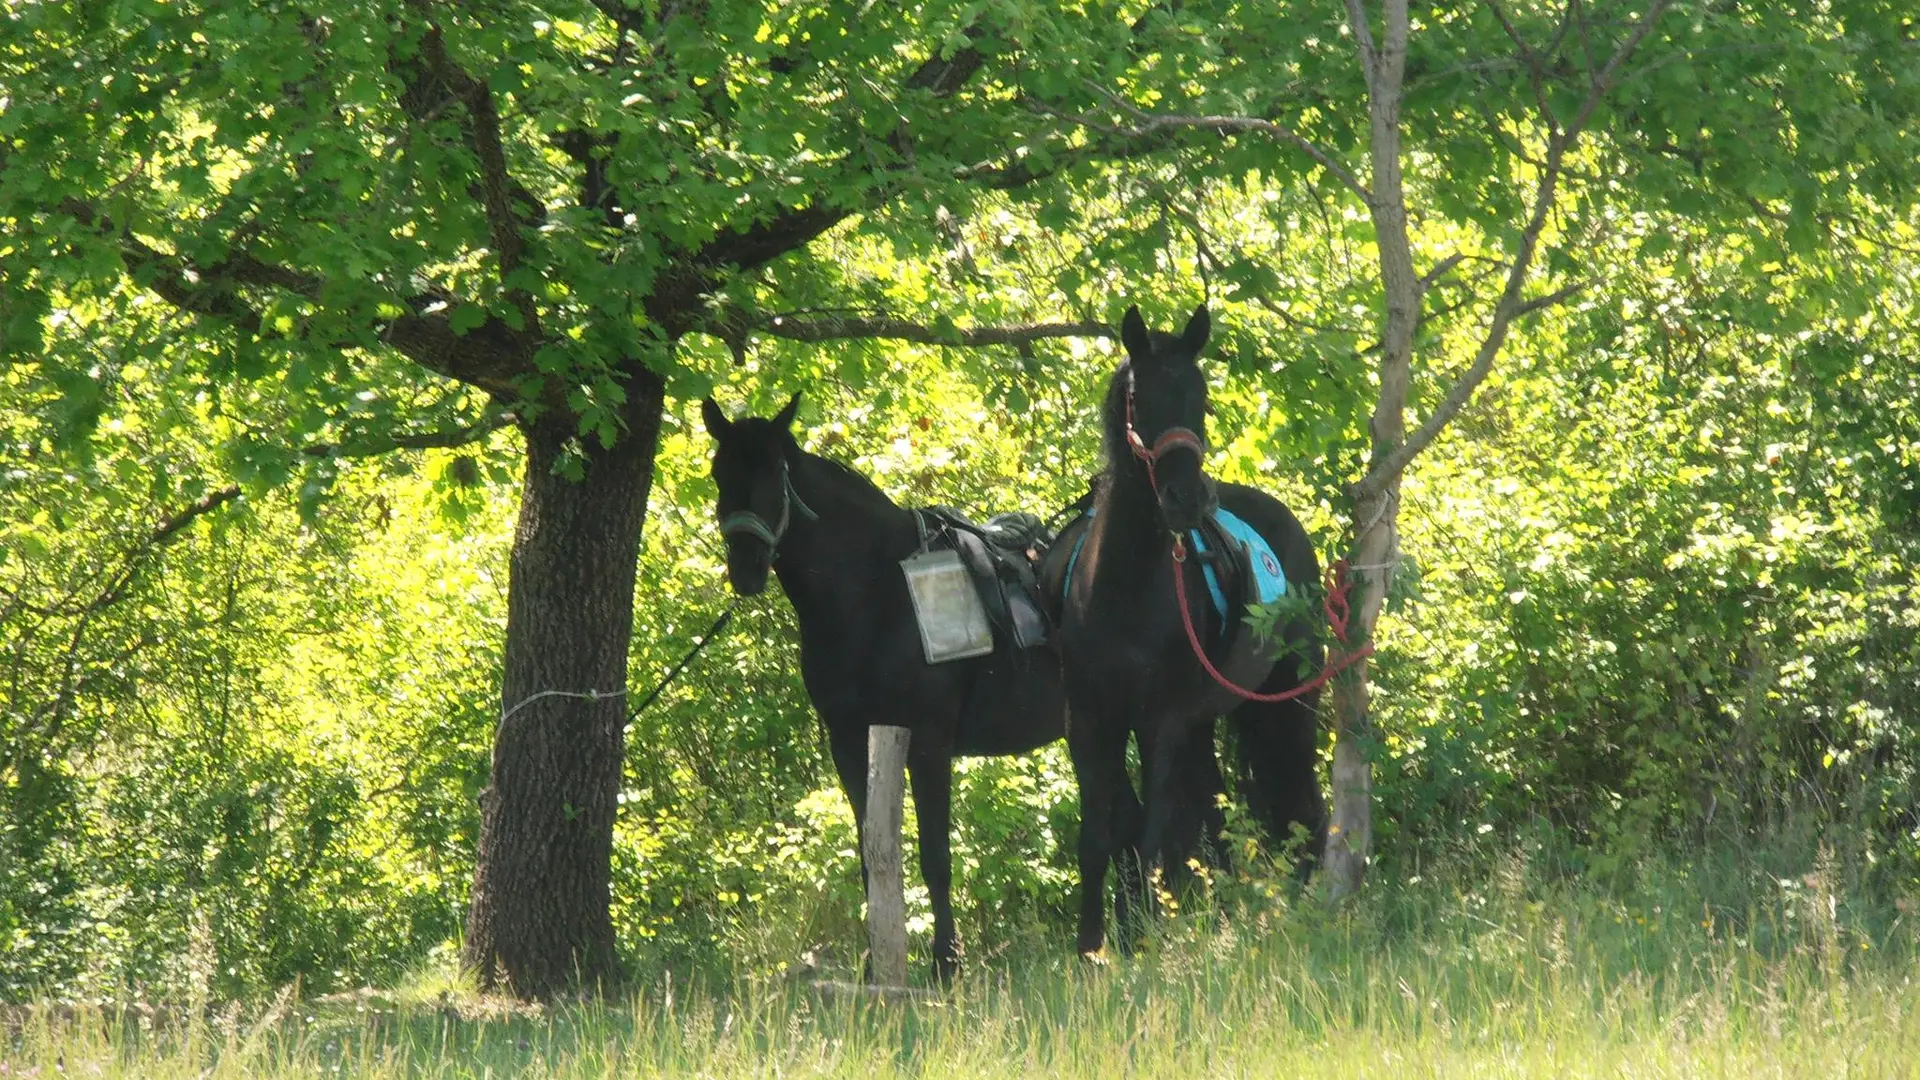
column 880, row 847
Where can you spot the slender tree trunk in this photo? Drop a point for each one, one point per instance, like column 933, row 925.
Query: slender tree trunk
column 1376, row 515
column 1376, row 509
column 1350, row 836
column 540, row 919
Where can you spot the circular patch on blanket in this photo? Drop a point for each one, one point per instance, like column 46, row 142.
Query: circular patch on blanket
column 1272, row 566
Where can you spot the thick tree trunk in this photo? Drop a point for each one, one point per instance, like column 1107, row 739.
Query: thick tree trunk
column 540, row 919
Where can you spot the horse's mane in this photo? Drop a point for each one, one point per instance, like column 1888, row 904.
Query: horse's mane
column 1113, row 416
column 862, row 486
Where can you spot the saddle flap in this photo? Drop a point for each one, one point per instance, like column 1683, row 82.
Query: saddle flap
column 1017, row 532
column 1007, row 585
column 1256, row 557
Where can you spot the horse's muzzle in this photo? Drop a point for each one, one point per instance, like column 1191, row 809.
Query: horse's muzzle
column 748, row 563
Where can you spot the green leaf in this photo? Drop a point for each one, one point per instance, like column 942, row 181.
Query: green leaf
column 466, row 317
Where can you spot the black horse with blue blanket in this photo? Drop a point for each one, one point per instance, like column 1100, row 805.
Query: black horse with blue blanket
column 1137, row 638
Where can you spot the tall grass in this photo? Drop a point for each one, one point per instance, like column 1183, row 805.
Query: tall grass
column 1498, row 969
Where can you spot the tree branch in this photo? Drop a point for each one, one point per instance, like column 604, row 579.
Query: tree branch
column 1020, row 172
column 412, row 440
column 189, row 288
column 1558, row 296
column 753, row 245
column 1363, row 39
column 163, row 531
column 1536, row 67
column 174, row 523
column 944, row 78
column 676, row 298
column 491, row 356
column 499, row 193
column 1440, row 270
column 130, row 565
column 192, row 512
column 1147, row 124
column 675, row 301
column 841, row 328
column 1510, row 305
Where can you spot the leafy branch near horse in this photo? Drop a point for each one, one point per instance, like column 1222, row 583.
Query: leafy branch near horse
column 1512, row 303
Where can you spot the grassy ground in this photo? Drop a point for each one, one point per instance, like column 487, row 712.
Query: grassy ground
column 1511, row 974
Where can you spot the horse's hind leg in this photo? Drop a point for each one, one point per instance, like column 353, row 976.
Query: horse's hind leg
column 932, row 772
column 1162, row 753
column 1202, row 789
column 1128, row 819
column 1278, row 746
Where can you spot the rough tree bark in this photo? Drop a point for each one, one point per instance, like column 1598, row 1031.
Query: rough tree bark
column 540, row 918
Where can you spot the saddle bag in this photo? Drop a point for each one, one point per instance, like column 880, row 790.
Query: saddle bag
column 968, row 580
column 953, row 623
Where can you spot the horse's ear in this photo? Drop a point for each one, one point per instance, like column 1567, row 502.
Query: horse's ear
column 717, row 422
column 1194, row 337
column 1133, row 334
column 784, row 418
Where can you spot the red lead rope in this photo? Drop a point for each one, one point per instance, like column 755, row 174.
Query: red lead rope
column 1337, row 611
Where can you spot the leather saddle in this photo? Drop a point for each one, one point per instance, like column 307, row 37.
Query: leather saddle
column 1002, row 555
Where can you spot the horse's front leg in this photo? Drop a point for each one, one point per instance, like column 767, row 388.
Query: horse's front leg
column 1099, row 767
column 848, row 744
column 932, row 773
column 1279, row 748
column 1202, row 791
column 1129, row 883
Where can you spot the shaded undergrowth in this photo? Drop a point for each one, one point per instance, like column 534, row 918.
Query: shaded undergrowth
column 1494, row 966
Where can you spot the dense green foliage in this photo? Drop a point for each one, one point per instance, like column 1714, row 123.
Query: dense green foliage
column 1661, row 587
column 1698, row 537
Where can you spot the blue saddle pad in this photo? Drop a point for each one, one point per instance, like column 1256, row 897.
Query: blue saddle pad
column 1270, row 582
